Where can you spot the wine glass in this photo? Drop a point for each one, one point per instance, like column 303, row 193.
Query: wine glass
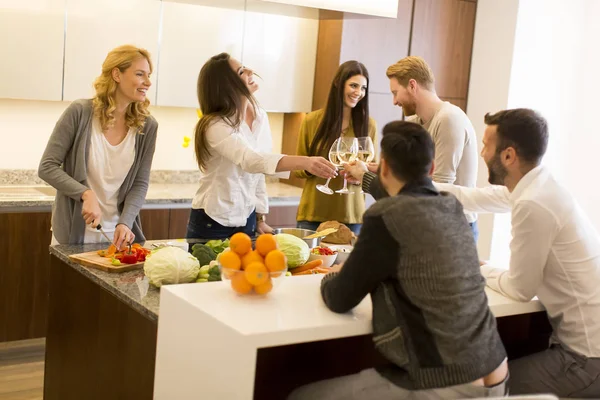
column 333, row 157
column 366, row 151
column 347, row 151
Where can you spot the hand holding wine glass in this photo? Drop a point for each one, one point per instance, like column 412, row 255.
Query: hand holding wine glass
column 333, row 158
column 366, row 151
column 347, row 152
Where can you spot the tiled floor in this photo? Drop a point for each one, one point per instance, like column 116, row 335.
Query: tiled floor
column 22, row 370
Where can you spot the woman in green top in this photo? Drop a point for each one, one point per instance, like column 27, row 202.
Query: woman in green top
column 346, row 114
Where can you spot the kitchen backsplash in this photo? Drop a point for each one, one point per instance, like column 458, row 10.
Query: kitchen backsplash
column 30, row 177
column 26, row 125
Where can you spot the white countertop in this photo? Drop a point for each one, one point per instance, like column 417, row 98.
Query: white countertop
column 206, row 328
column 295, row 312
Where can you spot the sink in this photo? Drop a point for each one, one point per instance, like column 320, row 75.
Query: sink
column 14, row 192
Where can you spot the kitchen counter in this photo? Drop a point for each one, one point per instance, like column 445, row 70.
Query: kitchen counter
column 102, row 326
column 133, row 288
column 159, row 195
column 240, row 326
column 130, row 287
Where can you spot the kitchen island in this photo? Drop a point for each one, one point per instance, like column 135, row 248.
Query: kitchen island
column 25, row 212
column 105, row 339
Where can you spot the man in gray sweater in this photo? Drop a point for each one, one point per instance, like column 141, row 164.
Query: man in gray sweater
column 412, row 84
column 417, row 259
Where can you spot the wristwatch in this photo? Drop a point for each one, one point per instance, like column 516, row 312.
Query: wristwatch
column 261, row 217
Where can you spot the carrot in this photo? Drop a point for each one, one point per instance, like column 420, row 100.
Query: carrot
column 307, row 272
column 309, row 265
column 311, row 271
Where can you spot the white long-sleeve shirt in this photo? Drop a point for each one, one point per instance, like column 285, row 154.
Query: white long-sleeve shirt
column 555, row 254
column 233, row 183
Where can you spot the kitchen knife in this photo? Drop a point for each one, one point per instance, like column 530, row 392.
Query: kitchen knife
column 99, row 227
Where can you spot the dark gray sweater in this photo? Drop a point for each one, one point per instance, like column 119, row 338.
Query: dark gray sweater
column 417, row 258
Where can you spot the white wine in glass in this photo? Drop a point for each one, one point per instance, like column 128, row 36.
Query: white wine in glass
column 347, row 151
column 366, row 151
column 365, row 156
column 334, row 158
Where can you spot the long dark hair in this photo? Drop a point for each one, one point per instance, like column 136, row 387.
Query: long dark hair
column 220, row 94
column 331, row 125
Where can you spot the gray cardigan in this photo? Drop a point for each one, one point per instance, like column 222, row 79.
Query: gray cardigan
column 64, row 166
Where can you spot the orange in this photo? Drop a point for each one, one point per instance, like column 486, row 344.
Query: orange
column 240, row 284
column 250, row 257
column 265, row 243
column 264, row 288
column 230, row 260
column 256, row 273
column 276, row 261
column 240, row 243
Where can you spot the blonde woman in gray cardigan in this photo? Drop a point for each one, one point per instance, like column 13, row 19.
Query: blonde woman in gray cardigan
column 99, row 155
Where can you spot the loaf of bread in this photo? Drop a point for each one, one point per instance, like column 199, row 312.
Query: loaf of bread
column 343, row 235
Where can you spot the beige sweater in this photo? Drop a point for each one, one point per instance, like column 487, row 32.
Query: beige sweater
column 455, row 147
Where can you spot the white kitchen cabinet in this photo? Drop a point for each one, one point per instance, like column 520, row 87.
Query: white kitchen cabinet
column 96, row 27
column 31, row 45
column 280, row 44
column 379, row 8
column 192, row 32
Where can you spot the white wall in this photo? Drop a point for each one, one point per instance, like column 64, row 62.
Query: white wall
column 25, row 127
column 493, row 41
column 541, row 54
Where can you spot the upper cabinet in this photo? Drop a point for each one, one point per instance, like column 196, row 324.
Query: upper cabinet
column 31, row 44
column 192, row 32
column 54, row 49
column 95, row 27
column 280, row 45
column 379, row 8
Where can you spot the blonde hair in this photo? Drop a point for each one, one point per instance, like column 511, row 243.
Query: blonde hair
column 104, row 101
column 412, row 67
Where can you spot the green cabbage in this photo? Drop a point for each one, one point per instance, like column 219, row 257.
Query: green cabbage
column 295, row 249
column 169, row 265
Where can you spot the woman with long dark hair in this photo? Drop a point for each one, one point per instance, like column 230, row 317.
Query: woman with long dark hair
column 346, row 114
column 233, row 150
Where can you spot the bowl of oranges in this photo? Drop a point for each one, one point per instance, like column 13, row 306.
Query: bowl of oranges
column 247, row 270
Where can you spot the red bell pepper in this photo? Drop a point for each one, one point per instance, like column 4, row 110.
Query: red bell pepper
column 129, row 258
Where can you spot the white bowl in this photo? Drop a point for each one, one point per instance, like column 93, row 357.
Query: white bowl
column 343, row 251
column 327, row 260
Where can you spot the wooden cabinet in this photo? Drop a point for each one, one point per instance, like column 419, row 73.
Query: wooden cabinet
column 192, row 32
column 24, row 273
column 94, row 28
column 443, row 35
column 155, row 224
column 280, row 44
column 31, row 44
column 282, row 216
column 178, row 221
column 160, row 224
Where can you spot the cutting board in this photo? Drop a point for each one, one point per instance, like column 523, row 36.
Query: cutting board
column 93, row 260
